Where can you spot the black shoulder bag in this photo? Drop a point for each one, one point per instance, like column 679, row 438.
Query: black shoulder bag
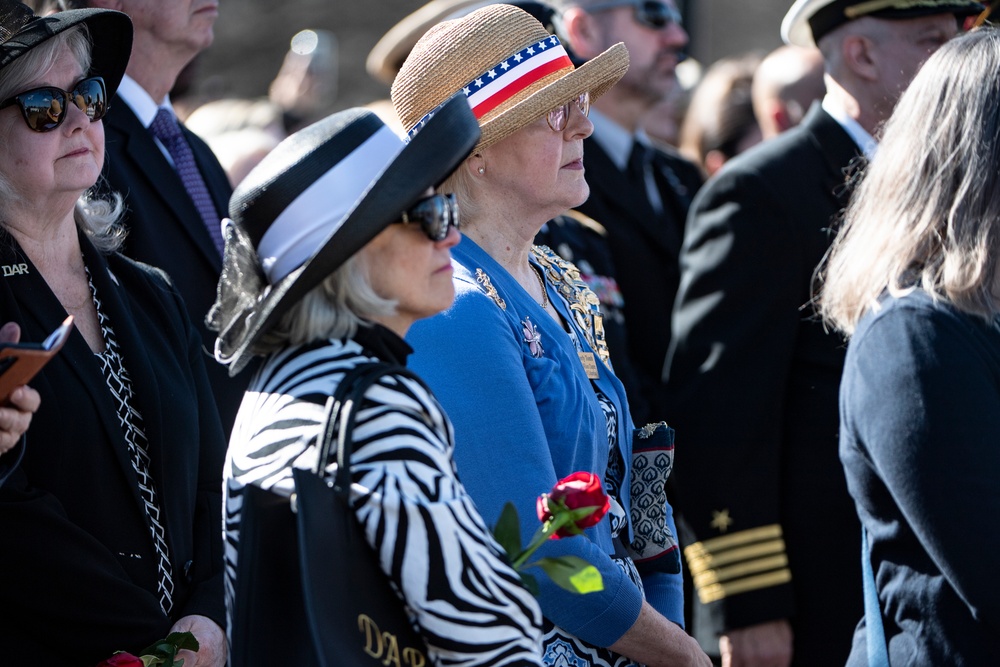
column 309, row 590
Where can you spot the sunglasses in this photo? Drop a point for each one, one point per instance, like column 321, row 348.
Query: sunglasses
column 44, row 109
column 558, row 118
column 653, row 14
column 436, row 215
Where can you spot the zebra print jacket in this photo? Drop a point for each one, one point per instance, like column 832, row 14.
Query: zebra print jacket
column 469, row 603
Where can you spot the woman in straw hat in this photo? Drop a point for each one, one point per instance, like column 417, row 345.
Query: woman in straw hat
column 110, row 522
column 520, row 361
column 914, row 278
column 318, row 278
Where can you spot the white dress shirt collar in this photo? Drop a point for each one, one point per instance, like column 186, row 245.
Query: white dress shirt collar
column 136, row 97
column 865, row 141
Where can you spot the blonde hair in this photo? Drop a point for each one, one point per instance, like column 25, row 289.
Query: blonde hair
column 335, row 308
column 97, row 218
column 927, row 211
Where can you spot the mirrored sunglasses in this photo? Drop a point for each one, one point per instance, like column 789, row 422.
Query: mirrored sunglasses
column 653, row 14
column 436, row 215
column 558, row 118
column 44, row 109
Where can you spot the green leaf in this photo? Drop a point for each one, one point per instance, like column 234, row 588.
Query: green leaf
column 572, row 574
column 530, row 583
column 183, row 640
column 588, row 580
column 508, row 531
column 164, row 651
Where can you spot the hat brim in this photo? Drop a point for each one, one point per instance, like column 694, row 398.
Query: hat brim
column 595, row 76
column 110, row 35
column 796, row 30
column 388, row 54
column 430, row 157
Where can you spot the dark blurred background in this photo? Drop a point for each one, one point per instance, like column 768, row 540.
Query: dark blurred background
column 252, row 37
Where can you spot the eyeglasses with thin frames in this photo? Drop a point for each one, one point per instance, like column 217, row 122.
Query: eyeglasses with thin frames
column 654, row 14
column 558, row 118
column 436, row 215
column 44, row 109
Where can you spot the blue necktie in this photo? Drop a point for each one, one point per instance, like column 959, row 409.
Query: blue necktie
column 166, row 128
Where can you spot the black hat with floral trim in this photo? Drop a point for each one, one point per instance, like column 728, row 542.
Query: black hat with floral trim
column 110, row 35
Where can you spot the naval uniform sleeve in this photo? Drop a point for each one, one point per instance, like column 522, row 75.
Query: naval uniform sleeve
column 734, row 323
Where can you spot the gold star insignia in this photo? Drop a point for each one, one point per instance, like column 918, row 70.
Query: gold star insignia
column 721, row 520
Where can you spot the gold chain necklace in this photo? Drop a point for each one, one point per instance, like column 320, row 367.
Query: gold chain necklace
column 541, row 283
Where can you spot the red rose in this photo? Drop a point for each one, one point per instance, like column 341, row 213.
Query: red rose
column 122, row 659
column 579, row 490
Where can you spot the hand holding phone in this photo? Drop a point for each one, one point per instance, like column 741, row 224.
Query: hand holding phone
column 20, row 362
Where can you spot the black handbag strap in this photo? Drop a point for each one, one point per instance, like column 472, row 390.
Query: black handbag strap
column 341, row 415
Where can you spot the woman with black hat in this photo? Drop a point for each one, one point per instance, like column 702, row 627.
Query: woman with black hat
column 110, row 522
column 520, row 361
column 319, row 279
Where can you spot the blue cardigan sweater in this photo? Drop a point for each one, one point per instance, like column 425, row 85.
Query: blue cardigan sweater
column 920, row 443
column 525, row 415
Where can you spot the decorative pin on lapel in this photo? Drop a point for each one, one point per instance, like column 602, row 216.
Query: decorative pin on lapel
column 532, row 338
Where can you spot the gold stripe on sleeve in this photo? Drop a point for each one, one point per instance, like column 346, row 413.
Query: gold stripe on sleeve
column 719, row 591
column 745, row 561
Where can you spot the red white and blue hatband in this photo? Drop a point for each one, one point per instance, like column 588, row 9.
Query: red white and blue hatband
column 510, row 69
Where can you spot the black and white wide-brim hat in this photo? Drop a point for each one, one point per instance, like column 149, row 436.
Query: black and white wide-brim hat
column 110, row 35
column 314, row 201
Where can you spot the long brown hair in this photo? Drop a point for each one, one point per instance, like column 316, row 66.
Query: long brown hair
column 927, row 211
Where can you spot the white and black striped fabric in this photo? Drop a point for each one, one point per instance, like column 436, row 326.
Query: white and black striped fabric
column 120, row 386
column 427, row 532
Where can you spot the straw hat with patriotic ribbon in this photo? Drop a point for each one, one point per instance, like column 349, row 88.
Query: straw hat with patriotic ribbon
column 510, row 69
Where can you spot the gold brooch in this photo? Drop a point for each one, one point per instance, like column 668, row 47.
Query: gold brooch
column 491, row 291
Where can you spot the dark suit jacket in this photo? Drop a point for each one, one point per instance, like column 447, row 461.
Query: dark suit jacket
column 752, row 383
column 644, row 251
column 77, row 564
column 166, row 230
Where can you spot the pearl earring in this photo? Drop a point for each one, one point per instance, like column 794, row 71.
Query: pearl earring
column 482, row 170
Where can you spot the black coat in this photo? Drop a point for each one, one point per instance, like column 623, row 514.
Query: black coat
column 165, row 229
column 920, row 423
column 78, row 571
column 644, row 249
column 752, row 381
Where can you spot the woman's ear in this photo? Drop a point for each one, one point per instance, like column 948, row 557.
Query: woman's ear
column 476, row 164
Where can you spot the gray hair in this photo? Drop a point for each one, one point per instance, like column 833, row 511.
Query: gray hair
column 96, row 217
column 463, row 185
column 927, row 211
column 335, row 308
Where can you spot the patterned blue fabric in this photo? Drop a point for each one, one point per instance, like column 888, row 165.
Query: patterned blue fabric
column 523, row 420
